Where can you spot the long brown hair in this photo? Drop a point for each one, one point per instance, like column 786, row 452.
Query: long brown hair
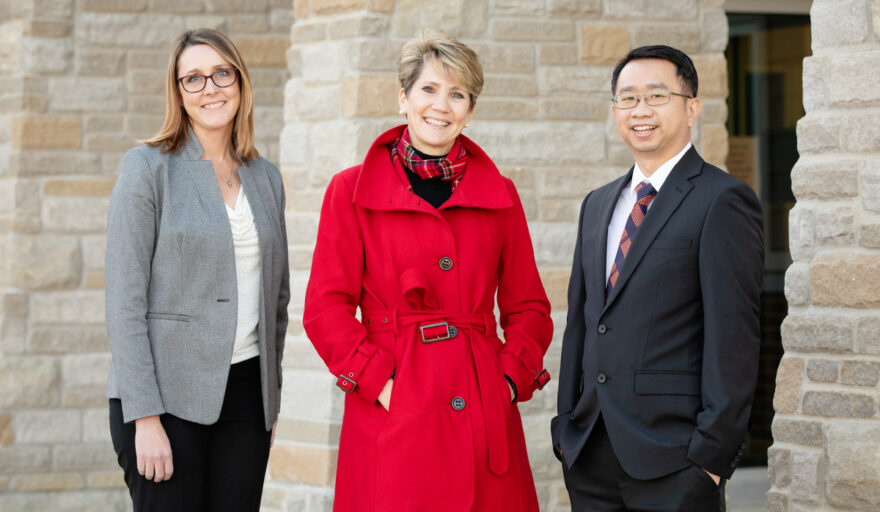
column 173, row 133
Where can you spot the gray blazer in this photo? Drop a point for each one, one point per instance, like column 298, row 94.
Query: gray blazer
column 171, row 290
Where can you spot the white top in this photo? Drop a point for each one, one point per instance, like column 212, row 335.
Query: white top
column 626, row 201
column 247, row 271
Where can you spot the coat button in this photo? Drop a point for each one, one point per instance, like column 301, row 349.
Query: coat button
column 458, row 403
column 445, row 263
column 601, row 378
column 602, row 329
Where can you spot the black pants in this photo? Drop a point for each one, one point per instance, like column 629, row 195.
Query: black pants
column 217, row 467
column 597, row 483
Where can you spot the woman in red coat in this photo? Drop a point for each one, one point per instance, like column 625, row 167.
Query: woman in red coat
column 422, row 237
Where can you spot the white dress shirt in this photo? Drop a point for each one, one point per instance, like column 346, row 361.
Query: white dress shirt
column 627, row 200
column 247, row 271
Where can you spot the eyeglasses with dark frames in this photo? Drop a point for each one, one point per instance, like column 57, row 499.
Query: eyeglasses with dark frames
column 221, row 78
column 653, row 98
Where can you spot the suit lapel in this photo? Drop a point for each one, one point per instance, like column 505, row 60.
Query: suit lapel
column 671, row 194
column 606, row 208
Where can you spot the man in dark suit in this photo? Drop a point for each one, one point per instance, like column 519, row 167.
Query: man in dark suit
column 660, row 352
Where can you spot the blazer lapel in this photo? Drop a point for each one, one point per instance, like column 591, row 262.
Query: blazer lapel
column 609, row 202
column 671, row 194
column 201, row 172
column 259, row 198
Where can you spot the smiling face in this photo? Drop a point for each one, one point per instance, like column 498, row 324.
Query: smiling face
column 654, row 134
column 437, row 108
column 213, row 108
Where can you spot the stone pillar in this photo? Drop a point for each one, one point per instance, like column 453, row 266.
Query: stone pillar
column 82, row 81
column 826, row 429
column 544, row 117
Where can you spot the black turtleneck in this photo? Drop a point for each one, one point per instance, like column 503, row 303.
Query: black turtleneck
column 435, row 191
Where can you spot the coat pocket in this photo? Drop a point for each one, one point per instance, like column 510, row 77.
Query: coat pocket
column 667, row 383
column 169, row 316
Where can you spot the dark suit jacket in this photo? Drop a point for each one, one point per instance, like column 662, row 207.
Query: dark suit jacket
column 671, row 359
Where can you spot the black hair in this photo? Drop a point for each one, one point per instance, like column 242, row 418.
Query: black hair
column 684, row 66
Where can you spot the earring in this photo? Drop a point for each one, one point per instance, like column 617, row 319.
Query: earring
column 467, row 124
column 400, row 111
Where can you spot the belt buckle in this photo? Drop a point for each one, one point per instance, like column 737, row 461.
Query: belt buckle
column 542, row 379
column 345, row 383
column 450, row 332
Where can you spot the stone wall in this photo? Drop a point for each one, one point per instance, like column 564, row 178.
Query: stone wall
column 81, row 82
column 544, row 117
column 826, row 454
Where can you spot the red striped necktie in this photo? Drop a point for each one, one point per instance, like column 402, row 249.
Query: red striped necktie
column 644, row 195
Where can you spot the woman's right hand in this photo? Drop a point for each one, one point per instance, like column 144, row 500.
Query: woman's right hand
column 385, row 395
column 153, row 449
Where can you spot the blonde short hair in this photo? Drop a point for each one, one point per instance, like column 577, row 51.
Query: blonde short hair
column 436, row 45
column 173, row 133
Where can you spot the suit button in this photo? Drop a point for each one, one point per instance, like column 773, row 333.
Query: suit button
column 732, row 464
column 445, row 263
column 601, row 378
column 458, row 403
column 602, row 329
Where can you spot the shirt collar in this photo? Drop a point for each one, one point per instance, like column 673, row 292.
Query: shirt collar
column 659, row 175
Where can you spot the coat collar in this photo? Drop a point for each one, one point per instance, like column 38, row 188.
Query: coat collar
column 382, row 187
column 670, row 196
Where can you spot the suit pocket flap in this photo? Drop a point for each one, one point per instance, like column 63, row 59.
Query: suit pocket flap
column 667, row 383
column 168, row 316
column 674, row 242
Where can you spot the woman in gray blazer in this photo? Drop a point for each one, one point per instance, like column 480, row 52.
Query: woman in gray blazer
column 196, row 293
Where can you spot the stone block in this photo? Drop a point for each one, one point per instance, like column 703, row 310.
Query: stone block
column 336, row 6
column 97, row 123
column 839, row 22
column 839, row 405
column 714, row 111
column 650, row 9
column 817, row 332
column 553, row 243
column 95, row 424
column 85, row 187
column 860, row 373
column 684, row 36
column 106, row 480
column 789, row 377
column 870, row 184
column 47, row 426
column 375, row 55
column 491, row 109
column 300, row 9
column 532, row 30
column 326, row 63
column 113, row 5
column 712, row 70
column 797, row 431
column 314, row 465
column 802, row 233
column 252, row 23
column 557, row 54
column 857, row 136
column 68, row 501
column 835, row 226
column 358, row 25
column 109, row 143
column 67, row 339
column 177, row 6
column 797, row 284
column 13, row 335
column 847, row 83
column 556, row 285
column 461, row 18
column 868, row 336
column 714, row 30
column 84, row 457
column 807, row 475
column 853, row 466
column 320, row 432
column 578, row 82
column 14, row 305
column 7, row 433
column 308, row 31
column 91, row 214
column 113, row 30
column 779, row 466
column 516, row 7
column 46, row 55
column 46, row 132
column 821, row 179
column 23, row 459
column 559, row 143
column 99, row 62
column 603, row 45
column 86, row 94
column 845, row 279
column 814, row 91
column 94, row 281
column 715, row 144
column 574, row 8
column 48, row 28
column 776, row 501
column 869, row 234
column 509, row 85
column 72, row 307
column 27, row 381
column 822, row 370
column 41, row 262
column 263, row 51
column 155, row 59
column 506, row 57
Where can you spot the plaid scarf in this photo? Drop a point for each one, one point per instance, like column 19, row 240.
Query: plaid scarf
column 449, row 168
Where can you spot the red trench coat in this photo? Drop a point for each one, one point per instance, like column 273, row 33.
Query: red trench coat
column 452, row 440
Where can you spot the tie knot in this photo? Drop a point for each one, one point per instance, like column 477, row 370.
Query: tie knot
column 645, row 189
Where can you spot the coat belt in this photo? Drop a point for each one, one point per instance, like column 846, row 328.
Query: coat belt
column 495, row 401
